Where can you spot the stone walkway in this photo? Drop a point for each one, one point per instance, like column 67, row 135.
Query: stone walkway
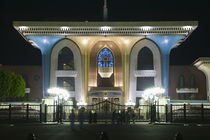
column 114, row 132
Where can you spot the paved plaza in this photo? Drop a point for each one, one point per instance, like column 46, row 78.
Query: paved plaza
column 91, row 132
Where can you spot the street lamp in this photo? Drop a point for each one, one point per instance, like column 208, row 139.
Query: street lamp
column 59, row 93
column 153, row 94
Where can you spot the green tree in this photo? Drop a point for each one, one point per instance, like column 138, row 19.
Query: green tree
column 11, row 85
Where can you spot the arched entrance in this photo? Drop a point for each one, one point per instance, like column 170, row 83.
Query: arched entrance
column 105, row 73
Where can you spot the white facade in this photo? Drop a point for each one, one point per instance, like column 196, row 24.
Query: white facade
column 203, row 64
column 77, row 73
column 134, row 73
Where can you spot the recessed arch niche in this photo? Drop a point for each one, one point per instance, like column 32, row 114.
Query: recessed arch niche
column 75, row 72
column 93, row 63
column 139, row 71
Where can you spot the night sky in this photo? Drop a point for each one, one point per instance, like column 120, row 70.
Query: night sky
column 16, row 51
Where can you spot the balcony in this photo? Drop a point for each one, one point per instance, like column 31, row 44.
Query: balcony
column 186, row 90
column 145, row 73
column 66, row 73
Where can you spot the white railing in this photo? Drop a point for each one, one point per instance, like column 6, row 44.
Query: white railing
column 186, row 90
column 66, row 73
column 145, row 73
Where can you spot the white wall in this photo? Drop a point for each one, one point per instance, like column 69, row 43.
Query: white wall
column 133, row 67
column 77, row 73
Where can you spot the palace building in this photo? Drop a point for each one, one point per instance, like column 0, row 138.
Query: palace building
column 116, row 61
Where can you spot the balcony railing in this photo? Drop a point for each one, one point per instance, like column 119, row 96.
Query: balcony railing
column 145, row 73
column 66, row 73
column 186, row 90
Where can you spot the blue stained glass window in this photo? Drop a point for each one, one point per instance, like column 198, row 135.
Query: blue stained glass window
column 105, row 58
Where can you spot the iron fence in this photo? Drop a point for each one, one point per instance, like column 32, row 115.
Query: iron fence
column 14, row 112
column 107, row 112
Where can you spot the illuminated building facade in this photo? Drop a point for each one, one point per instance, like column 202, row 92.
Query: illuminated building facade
column 112, row 60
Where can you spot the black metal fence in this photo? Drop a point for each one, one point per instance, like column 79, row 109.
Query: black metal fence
column 13, row 112
column 107, row 112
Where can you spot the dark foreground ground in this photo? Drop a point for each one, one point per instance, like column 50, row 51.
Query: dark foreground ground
column 114, row 132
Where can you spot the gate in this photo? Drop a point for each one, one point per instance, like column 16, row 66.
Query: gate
column 106, row 110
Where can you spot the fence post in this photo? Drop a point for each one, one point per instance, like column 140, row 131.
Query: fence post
column 58, row 113
column 45, row 112
column 171, row 114
column 61, row 113
column 54, row 106
column 202, row 113
column 151, row 113
column 166, row 107
column 40, row 113
column 27, row 111
column 10, row 112
column 184, row 112
column 106, row 108
column 157, row 112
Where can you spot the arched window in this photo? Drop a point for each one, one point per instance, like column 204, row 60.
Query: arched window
column 105, row 63
column 105, row 68
column 145, row 59
column 181, row 81
column 105, row 58
column 144, row 62
column 192, row 81
column 65, row 59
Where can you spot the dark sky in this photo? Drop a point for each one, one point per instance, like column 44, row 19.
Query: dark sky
column 16, row 51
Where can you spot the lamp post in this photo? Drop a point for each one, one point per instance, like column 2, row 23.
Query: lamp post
column 152, row 95
column 60, row 95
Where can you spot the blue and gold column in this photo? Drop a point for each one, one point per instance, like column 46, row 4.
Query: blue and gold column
column 165, row 44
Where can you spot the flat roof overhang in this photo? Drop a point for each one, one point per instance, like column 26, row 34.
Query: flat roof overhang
column 107, row 29
column 160, row 28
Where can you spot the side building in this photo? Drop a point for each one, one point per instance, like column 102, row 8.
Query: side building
column 187, row 84
column 33, row 79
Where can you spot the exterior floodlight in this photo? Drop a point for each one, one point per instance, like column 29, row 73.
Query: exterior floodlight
column 45, row 41
column 152, row 95
column 84, row 41
column 146, row 28
column 64, row 28
column 23, row 27
column 126, row 41
column 105, row 28
column 187, row 27
column 59, row 93
column 165, row 41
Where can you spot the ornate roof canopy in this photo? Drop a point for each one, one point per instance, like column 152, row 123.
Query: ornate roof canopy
column 161, row 28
